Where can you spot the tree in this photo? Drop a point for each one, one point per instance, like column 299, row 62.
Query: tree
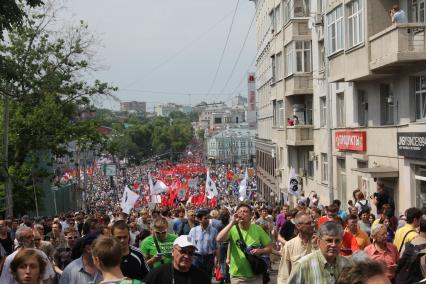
column 43, row 75
column 11, row 13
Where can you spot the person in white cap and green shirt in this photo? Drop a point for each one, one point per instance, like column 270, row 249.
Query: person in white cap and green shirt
column 181, row 270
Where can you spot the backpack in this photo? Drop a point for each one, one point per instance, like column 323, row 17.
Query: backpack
column 364, row 207
column 409, row 269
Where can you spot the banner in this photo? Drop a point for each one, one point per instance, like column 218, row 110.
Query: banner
column 211, row 190
column 243, row 187
column 157, row 187
column 129, row 199
column 293, row 183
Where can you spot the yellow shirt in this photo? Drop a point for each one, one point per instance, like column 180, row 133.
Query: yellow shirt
column 293, row 250
column 400, row 234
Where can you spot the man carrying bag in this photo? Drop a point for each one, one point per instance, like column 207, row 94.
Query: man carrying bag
column 246, row 247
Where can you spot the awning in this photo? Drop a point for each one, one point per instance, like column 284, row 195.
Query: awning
column 377, row 172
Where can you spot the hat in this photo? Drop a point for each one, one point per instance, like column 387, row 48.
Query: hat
column 184, row 241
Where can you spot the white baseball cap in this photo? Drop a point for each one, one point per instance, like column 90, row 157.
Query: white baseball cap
column 184, row 241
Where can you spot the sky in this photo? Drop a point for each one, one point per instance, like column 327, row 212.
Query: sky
column 162, row 51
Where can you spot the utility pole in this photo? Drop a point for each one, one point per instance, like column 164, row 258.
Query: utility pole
column 329, row 115
column 8, row 184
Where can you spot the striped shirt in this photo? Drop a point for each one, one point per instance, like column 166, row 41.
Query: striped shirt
column 314, row 268
column 205, row 240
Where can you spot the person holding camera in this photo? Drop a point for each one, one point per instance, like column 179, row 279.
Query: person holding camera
column 256, row 240
column 157, row 248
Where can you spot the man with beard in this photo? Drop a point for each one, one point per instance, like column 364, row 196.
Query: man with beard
column 181, row 270
column 325, row 265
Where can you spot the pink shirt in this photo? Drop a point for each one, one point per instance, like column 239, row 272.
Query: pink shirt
column 389, row 257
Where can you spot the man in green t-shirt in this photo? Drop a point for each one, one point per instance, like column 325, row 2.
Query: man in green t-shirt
column 156, row 256
column 254, row 236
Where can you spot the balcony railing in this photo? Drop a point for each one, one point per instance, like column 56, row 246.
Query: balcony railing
column 298, row 84
column 300, row 135
column 398, row 45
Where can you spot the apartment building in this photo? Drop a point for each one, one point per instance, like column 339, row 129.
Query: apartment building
column 284, row 92
column 375, row 73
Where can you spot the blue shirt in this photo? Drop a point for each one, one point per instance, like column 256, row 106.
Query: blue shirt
column 205, row 240
column 75, row 273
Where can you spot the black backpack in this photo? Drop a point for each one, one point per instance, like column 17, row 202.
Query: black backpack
column 408, row 270
column 364, row 207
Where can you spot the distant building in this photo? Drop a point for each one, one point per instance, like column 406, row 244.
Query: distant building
column 167, row 109
column 133, row 106
column 234, row 146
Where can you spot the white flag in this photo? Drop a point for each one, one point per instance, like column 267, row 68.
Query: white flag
column 293, row 183
column 243, row 187
column 128, row 200
column 211, row 190
column 158, row 187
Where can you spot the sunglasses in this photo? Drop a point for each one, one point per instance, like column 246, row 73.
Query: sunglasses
column 72, row 238
column 161, row 232
column 188, row 252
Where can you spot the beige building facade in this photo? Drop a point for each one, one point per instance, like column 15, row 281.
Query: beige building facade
column 376, row 78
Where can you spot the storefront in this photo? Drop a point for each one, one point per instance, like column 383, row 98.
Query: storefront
column 412, row 146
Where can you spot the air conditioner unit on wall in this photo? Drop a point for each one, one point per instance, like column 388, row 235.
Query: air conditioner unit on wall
column 319, row 20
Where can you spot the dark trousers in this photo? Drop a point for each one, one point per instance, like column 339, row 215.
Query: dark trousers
column 205, row 263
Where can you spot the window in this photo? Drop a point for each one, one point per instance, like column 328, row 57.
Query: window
column 420, row 90
column 301, row 8
column 323, row 111
column 321, row 56
column 279, row 66
column 303, row 56
column 289, row 59
column 273, row 21
column 295, row 9
column 320, row 6
column 278, row 19
column 386, row 104
column 340, row 111
column 324, row 167
column 335, row 30
column 355, row 24
column 274, row 70
column 418, row 11
column 280, row 107
column 298, row 57
column 362, row 108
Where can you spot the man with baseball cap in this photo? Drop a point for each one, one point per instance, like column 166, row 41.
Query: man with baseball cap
column 181, row 270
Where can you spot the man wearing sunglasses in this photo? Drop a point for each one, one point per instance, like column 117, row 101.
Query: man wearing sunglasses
column 62, row 256
column 157, row 248
column 181, row 270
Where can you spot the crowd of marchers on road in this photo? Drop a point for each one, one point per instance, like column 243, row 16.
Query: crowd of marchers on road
column 228, row 242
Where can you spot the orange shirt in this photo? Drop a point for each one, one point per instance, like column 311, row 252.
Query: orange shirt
column 349, row 244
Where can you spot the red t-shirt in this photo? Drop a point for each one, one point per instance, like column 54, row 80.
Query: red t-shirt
column 349, row 244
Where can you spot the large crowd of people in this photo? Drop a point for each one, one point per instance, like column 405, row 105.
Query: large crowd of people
column 188, row 237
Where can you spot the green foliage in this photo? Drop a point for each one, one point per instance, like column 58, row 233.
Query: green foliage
column 151, row 137
column 42, row 72
column 11, row 13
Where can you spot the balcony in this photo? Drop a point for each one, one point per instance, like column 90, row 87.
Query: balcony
column 399, row 45
column 298, row 84
column 300, row 135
